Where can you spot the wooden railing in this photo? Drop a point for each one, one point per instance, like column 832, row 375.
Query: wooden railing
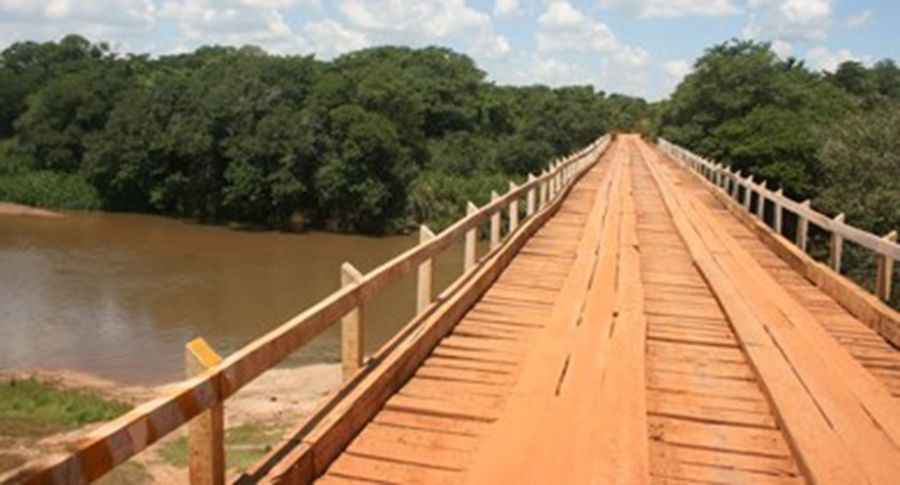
column 200, row 398
column 741, row 189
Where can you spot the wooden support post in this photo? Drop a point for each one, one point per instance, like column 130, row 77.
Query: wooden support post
column 423, row 290
column 761, row 202
column 513, row 210
column 543, row 185
column 471, row 236
column 735, row 185
column 779, row 211
column 495, row 223
column 352, row 327
column 837, row 246
column 529, row 208
column 802, row 228
column 885, row 271
column 748, row 191
column 554, row 180
column 206, row 432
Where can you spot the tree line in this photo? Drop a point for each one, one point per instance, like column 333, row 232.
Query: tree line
column 831, row 137
column 371, row 142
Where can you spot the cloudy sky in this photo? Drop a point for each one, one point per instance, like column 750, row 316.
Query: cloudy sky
column 637, row 47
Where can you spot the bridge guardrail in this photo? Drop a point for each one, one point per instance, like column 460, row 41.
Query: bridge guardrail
column 216, row 379
column 886, row 249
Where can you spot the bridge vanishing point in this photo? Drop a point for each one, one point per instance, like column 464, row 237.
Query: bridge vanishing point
column 641, row 317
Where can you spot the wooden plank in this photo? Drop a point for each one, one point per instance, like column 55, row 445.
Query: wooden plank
column 854, row 398
column 333, row 431
column 821, row 452
column 507, row 449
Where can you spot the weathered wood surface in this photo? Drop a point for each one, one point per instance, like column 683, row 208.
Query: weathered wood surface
column 117, row 441
column 864, row 306
column 638, row 344
column 641, row 326
column 852, row 438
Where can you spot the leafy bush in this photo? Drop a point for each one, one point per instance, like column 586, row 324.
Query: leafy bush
column 49, row 189
column 439, row 198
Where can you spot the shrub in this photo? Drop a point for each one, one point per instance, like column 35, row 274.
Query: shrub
column 49, row 189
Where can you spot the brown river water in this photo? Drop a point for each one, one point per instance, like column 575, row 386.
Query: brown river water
column 118, row 295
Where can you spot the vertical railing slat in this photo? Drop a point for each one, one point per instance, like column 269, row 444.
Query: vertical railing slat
column 352, row 327
column 425, row 277
column 885, row 271
column 206, row 432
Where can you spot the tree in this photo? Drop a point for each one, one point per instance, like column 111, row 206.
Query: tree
column 744, row 106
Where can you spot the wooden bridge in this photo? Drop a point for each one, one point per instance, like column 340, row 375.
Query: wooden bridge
column 634, row 320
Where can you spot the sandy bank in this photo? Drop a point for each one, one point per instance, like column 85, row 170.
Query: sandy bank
column 10, row 209
column 277, row 400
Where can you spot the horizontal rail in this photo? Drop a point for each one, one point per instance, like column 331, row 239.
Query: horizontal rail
column 885, row 248
column 120, row 439
column 865, row 239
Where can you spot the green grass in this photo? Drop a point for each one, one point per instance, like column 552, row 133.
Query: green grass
column 128, row 473
column 30, row 408
column 244, row 446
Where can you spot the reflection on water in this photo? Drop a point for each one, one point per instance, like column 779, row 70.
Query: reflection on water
column 119, row 295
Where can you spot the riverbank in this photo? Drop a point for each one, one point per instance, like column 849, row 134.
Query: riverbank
column 257, row 417
column 11, row 209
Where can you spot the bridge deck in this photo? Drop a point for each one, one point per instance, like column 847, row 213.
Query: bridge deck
column 643, row 334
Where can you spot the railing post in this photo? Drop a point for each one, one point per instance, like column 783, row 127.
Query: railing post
column 206, row 432
column 423, row 290
column 802, row 227
column 779, row 211
column 554, row 183
column 761, row 202
column 748, row 192
column 837, row 245
column 885, row 271
column 735, row 184
column 495, row 223
column 543, row 184
column 529, row 208
column 352, row 327
column 471, row 235
column 513, row 210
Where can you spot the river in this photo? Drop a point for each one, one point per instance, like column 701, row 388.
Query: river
column 118, row 295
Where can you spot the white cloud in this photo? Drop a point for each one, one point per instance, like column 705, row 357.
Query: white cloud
column 782, row 48
column 674, row 8
column 860, row 20
column 203, row 22
column 124, row 23
column 677, row 69
column 575, row 49
column 331, row 38
column 561, row 14
column 565, row 29
column 804, row 20
column 506, row 7
column 426, row 22
column 827, row 60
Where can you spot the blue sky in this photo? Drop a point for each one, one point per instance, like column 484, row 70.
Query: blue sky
column 636, row 47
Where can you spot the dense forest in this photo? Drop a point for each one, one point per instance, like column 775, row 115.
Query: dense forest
column 377, row 140
column 373, row 141
column 833, row 138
